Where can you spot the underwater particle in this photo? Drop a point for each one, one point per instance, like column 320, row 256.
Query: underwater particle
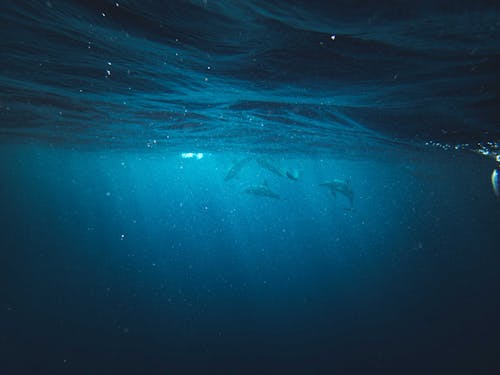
column 108, row 194
column 495, row 181
column 122, row 237
column 332, row 37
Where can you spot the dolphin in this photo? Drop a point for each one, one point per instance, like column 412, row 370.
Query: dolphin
column 340, row 186
column 271, row 167
column 261, row 190
column 236, row 168
column 292, row 174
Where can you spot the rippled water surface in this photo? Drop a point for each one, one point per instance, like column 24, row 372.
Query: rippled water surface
column 266, row 76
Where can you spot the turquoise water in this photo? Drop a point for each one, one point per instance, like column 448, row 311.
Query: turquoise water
column 140, row 262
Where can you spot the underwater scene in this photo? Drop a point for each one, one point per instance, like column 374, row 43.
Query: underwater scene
column 249, row 187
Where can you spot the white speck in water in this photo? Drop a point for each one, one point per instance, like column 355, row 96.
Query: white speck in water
column 332, row 37
column 108, row 194
column 122, row 237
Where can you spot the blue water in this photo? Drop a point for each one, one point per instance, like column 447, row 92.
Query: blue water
column 128, row 245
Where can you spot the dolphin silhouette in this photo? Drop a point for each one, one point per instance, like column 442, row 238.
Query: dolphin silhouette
column 270, row 166
column 340, row 186
column 236, row 168
column 292, row 174
column 261, row 190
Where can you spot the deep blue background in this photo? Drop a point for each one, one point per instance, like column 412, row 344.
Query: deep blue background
column 209, row 279
column 119, row 256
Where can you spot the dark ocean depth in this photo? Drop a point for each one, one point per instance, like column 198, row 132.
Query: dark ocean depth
column 249, row 187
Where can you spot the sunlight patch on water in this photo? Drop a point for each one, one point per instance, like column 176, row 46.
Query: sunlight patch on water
column 192, row 155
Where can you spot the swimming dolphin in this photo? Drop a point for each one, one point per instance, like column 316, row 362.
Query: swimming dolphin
column 270, row 166
column 340, row 186
column 236, row 168
column 261, row 190
column 292, row 174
